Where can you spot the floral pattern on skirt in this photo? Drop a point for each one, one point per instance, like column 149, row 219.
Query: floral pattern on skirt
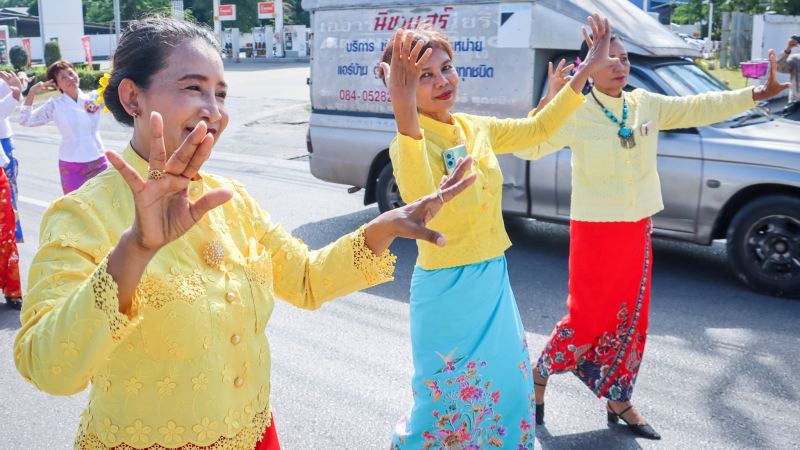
column 472, row 384
column 9, row 256
column 602, row 338
column 11, row 171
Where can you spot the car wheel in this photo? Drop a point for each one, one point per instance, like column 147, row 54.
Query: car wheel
column 764, row 245
column 386, row 190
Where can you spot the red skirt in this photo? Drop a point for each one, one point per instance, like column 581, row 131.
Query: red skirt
column 602, row 338
column 269, row 440
column 9, row 256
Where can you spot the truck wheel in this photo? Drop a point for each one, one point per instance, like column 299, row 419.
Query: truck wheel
column 764, row 245
column 386, row 190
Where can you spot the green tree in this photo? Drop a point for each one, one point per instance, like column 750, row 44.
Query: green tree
column 18, row 57
column 52, row 53
column 102, row 11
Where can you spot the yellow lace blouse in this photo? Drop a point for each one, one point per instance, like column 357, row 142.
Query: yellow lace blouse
column 472, row 223
column 611, row 183
column 189, row 365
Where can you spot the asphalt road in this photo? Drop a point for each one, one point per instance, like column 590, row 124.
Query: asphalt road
column 720, row 370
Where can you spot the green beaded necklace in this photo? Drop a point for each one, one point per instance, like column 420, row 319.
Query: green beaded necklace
column 625, row 133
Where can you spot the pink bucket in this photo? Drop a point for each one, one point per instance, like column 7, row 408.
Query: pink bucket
column 754, row 69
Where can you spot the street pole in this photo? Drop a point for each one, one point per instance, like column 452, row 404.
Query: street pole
column 279, row 51
column 117, row 24
column 710, row 19
column 217, row 24
column 177, row 9
column 646, row 5
column 41, row 26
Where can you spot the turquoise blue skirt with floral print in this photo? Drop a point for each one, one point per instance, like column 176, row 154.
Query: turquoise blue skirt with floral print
column 472, row 384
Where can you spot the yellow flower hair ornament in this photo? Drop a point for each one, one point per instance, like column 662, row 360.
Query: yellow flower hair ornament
column 102, row 89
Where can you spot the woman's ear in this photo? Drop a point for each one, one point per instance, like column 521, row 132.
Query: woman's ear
column 128, row 94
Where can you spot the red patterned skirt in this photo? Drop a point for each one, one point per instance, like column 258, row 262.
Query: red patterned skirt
column 9, row 256
column 602, row 338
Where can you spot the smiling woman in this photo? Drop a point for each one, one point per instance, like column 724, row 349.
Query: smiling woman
column 155, row 281
column 77, row 117
column 472, row 381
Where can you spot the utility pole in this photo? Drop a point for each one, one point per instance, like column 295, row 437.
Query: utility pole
column 177, row 9
column 117, row 25
column 217, row 24
column 279, row 50
column 41, row 25
column 710, row 17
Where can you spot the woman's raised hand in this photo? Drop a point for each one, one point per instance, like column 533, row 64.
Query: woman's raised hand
column 163, row 209
column 599, row 42
column 41, row 87
column 410, row 221
column 12, row 80
column 597, row 58
column 772, row 87
column 402, row 76
column 556, row 79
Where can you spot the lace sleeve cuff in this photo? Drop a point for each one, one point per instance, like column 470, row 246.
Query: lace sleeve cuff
column 375, row 268
column 106, row 300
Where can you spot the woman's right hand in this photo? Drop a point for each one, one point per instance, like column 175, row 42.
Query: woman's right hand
column 402, row 76
column 597, row 58
column 40, row 87
column 163, row 210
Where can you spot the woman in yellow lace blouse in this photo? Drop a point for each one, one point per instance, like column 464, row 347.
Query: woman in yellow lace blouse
column 154, row 282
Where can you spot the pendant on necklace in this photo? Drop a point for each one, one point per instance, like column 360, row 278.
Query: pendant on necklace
column 626, row 138
column 214, row 254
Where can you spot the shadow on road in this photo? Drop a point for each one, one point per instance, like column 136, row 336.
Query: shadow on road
column 607, row 439
column 699, row 311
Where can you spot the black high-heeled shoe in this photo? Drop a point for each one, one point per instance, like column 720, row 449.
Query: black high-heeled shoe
column 14, row 302
column 640, row 429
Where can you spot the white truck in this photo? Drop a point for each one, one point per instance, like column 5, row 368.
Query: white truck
column 737, row 180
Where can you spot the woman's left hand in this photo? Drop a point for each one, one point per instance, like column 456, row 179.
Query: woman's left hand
column 772, row 87
column 410, row 220
column 556, row 79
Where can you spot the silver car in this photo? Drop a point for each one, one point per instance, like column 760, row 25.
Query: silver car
column 737, row 180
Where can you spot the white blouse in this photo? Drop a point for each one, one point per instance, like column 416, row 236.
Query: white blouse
column 78, row 126
column 7, row 105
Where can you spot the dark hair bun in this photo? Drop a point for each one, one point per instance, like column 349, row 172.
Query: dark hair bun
column 143, row 50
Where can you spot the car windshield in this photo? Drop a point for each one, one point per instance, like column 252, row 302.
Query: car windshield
column 689, row 79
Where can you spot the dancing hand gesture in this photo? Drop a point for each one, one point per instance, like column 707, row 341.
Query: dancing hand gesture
column 41, row 87
column 772, row 87
column 410, row 221
column 556, row 80
column 402, row 76
column 599, row 42
column 14, row 83
column 163, row 209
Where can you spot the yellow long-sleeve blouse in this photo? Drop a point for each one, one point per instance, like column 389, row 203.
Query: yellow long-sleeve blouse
column 472, row 223
column 612, row 183
column 190, row 363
